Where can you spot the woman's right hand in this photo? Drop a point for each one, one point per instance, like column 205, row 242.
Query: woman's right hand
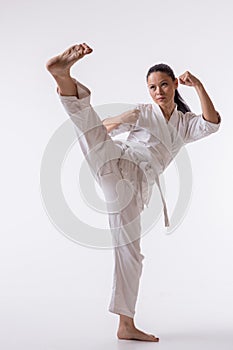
column 130, row 116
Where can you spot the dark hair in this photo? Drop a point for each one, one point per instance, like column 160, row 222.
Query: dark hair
column 181, row 104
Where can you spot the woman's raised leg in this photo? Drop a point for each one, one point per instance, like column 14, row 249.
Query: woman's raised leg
column 93, row 138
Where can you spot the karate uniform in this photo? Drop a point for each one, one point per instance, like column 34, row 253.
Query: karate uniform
column 126, row 171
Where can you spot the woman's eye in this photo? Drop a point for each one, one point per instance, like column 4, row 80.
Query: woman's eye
column 164, row 84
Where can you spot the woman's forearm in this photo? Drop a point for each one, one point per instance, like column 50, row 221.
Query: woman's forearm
column 130, row 117
column 111, row 123
column 110, row 127
column 208, row 110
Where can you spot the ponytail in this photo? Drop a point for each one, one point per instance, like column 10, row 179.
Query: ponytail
column 181, row 104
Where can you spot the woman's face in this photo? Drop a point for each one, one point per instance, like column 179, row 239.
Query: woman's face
column 162, row 88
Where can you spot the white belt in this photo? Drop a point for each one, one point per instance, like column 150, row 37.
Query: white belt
column 166, row 219
column 147, row 168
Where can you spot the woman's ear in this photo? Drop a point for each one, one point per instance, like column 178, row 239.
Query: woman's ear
column 176, row 83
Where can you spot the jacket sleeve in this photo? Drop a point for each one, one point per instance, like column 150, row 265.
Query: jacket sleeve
column 74, row 105
column 196, row 127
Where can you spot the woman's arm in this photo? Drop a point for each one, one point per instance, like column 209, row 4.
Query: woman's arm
column 129, row 117
column 208, row 110
column 111, row 123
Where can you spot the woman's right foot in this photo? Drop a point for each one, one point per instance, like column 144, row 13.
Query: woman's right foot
column 60, row 65
column 129, row 332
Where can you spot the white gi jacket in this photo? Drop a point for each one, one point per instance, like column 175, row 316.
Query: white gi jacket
column 153, row 142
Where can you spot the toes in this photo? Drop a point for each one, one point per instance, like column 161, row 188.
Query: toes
column 80, row 49
column 87, row 48
column 154, row 337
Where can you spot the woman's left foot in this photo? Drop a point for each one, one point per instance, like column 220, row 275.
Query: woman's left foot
column 60, row 65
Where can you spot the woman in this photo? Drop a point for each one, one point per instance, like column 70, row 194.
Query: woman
column 126, row 170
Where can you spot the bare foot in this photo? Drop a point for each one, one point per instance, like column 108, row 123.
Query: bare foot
column 129, row 332
column 60, row 65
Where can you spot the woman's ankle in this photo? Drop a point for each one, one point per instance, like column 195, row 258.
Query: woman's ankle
column 126, row 321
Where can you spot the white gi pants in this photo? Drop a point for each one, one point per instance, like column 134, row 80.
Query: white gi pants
column 121, row 198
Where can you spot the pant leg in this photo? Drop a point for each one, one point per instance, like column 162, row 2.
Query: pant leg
column 96, row 144
column 128, row 261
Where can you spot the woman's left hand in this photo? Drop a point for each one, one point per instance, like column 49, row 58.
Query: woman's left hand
column 188, row 79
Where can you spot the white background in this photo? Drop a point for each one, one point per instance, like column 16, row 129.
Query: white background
column 54, row 293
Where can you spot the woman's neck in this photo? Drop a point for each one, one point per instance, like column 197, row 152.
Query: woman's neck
column 168, row 110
